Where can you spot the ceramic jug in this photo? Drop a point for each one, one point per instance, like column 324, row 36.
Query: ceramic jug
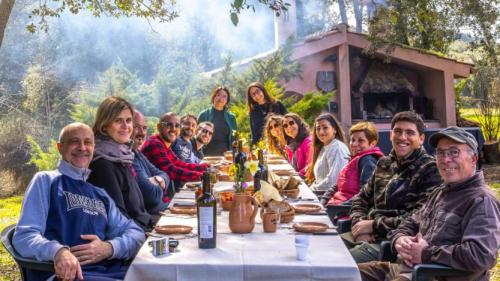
column 242, row 213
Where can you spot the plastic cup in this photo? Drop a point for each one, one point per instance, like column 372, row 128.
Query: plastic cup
column 301, row 251
column 302, row 239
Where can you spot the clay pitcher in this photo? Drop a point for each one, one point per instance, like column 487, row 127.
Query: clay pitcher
column 242, row 213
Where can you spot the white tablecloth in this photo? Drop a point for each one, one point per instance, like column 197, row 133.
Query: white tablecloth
column 255, row 256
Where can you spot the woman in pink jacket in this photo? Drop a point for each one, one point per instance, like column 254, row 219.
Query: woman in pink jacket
column 298, row 142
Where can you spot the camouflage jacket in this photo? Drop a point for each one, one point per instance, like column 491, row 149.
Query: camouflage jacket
column 395, row 190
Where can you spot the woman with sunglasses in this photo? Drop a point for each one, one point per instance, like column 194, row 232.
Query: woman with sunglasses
column 298, row 142
column 113, row 156
column 359, row 169
column 260, row 104
column 223, row 120
column 330, row 154
column 274, row 135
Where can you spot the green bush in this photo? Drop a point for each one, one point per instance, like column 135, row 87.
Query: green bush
column 43, row 160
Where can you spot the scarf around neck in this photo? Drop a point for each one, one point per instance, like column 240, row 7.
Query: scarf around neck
column 107, row 148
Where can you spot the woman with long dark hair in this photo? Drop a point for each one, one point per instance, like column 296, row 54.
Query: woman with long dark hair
column 298, row 142
column 274, row 136
column 260, row 105
column 113, row 156
column 330, row 154
column 224, row 122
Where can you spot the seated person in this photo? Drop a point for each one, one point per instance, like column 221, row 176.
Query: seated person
column 359, row 169
column 329, row 152
column 274, row 136
column 152, row 181
column 157, row 149
column 68, row 221
column 459, row 226
column 112, row 164
column 400, row 184
column 298, row 142
column 203, row 136
column 182, row 145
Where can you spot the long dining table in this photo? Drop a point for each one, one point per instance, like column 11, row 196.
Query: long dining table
column 255, row 256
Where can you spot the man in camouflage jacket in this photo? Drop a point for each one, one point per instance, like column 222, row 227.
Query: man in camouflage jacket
column 401, row 183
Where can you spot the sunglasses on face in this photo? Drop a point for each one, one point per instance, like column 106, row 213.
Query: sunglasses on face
column 171, row 125
column 205, row 131
column 274, row 126
column 289, row 123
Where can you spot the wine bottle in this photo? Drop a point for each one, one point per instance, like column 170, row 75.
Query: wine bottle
column 263, row 166
column 240, row 157
column 234, row 145
column 207, row 220
column 261, row 173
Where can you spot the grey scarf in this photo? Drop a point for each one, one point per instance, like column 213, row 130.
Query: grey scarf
column 107, row 148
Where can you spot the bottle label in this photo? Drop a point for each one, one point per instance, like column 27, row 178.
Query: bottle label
column 206, row 222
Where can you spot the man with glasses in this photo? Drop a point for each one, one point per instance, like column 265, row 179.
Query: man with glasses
column 157, row 149
column 459, row 225
column 400, row 184
column 203, row 136
column 182, row 146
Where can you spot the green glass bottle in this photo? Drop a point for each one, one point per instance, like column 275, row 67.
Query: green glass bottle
column 207, row 216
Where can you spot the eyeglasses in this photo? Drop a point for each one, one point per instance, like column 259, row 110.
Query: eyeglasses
column 289, row 123
column 276, row 125
column 171, row 125
column 452, row 153
column 208, row 132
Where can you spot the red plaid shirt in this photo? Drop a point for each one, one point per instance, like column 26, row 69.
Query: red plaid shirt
column 164, row 158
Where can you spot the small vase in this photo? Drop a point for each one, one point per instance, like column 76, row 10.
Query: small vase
column 242, row 213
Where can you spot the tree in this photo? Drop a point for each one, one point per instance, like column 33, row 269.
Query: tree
column 433, row 24
column 162, row 10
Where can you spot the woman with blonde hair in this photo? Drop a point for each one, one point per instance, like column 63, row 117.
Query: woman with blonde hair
column 298, row 142
column 224, row 122
column 330, row 154
column 274, row 135
column 260, row 105
column 113, row 156
column 357, row 172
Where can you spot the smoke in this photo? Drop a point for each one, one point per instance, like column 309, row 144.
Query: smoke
column 82, row 46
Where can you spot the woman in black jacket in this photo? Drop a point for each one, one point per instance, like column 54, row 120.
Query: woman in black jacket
column 260, row 104
column 112, row 163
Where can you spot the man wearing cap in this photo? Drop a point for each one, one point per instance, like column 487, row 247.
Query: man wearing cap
column 459, row 226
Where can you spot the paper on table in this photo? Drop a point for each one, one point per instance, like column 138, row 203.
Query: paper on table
column 269, row 192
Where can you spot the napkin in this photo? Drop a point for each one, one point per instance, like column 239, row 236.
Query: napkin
column 269, row 192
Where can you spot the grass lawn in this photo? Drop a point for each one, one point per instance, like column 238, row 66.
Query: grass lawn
column 470, row 113
column 9, row 214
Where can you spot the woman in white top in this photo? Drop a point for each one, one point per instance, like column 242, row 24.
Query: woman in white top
column 330, row 154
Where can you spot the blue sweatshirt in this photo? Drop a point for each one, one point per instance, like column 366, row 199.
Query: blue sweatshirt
column 60, row 205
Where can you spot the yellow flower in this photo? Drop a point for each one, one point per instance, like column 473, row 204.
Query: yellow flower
column 251, row 166
column 232, row 170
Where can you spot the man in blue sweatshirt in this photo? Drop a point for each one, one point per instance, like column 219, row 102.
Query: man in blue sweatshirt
column 73, row 223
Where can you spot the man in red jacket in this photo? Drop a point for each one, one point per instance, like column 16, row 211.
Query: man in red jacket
column 157, row 148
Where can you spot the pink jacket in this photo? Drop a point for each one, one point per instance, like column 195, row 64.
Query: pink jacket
column 348, row 183
column 303, row 155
